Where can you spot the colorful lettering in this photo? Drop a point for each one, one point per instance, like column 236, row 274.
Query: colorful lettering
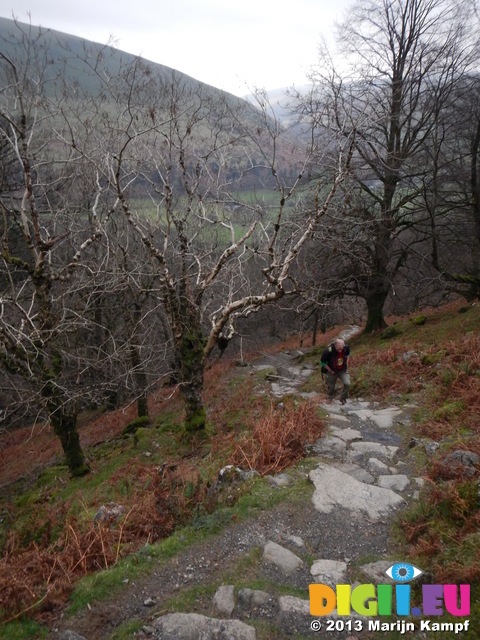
column 343, row 599
column 450, row 594
column 322, row 599
column 384, row 593
column 402, row 594
column 432, row 599
column 370, row 600
column 363, row 600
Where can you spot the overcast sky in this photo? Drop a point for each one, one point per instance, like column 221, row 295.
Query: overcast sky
column 232, row 45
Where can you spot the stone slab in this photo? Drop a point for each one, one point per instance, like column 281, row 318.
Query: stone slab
column 362, row 476
column 329, row 446
column 338, row 417
column 356, row 472
column 374, row 449
column 383, row 418
column 282, row 558
column 347, row 435
column 377, row 467
column 398, row 482
column 330, row 572
column 279, row 390
column 193, row 626
column 334, row 489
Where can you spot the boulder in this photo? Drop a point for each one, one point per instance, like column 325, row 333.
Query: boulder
column 251, row 598
column 224, row 599
column 397, row 482
column 282, row 558
column 291, row 604
column 193, row 626
column 467, row 459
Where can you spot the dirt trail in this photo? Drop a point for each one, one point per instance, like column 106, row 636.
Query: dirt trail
column 360, row 480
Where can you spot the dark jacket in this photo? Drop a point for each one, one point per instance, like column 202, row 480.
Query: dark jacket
column 331, row 356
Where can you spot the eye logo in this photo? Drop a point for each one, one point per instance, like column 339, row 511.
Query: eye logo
column 403, row 572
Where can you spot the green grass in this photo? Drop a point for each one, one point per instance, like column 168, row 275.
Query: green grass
column 78, row 497
column 127, row 631
column 23, row 629
column 100, row 586
column 257, row 497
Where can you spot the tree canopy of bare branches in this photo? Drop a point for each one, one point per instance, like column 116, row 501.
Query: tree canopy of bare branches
column 401, row 62
column 146, row 214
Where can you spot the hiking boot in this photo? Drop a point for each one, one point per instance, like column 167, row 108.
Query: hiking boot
column 343, row 401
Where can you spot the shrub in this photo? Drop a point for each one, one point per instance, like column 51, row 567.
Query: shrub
column 132, row 426
column 279, row 438
column 390, row 332
column 419, row 320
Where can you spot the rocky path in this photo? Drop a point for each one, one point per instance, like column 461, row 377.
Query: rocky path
column 361, row 478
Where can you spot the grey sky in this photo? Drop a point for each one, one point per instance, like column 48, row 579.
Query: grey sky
column 235, row 46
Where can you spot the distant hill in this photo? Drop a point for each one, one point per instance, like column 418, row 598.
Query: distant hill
column 65, row 52
column 79, row 65
column 279, row 103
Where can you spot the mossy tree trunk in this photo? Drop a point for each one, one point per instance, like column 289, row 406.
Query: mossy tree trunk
column 62, row 413
column 375, row 297
column 377, row 284
column 142, row 406
column 192, row 362
column 65, row 428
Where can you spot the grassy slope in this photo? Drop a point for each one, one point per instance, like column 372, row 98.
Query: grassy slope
column 48, row 532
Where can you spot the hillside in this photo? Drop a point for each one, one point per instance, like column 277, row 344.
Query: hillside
column 73, row 73
column 60, row 48
column 152, row 496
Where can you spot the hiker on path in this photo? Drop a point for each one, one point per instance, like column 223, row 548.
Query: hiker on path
column 334, row 364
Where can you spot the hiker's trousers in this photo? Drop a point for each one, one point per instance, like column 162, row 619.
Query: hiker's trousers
column 332, row 380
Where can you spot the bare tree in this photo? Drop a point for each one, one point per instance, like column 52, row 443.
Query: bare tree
column 178, row 162
column 176, row 158
column 402, row 59
column 51, row 276
column 452, row 194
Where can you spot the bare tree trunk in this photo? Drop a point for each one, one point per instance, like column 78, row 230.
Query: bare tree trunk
column 475, row 179
column 378, row 286
column 139, row 375
column 315, row 327
column 140, row 383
